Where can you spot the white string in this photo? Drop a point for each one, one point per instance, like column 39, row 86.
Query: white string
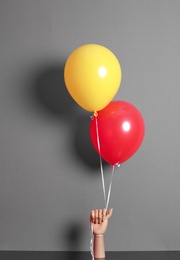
column 106, row 201
column 106, row 206
column 91, row 241
column 100, row 160
column 109, row 192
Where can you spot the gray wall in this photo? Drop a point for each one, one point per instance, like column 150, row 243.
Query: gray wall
column 50, row 176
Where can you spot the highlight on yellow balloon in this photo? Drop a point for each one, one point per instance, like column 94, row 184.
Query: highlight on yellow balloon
column 92, row 76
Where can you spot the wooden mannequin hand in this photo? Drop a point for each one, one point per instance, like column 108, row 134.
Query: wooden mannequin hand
column 99, row 220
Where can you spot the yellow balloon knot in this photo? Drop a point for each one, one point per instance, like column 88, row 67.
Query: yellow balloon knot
column 95, row 113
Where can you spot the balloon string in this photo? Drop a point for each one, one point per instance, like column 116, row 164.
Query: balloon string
column 100, row 159
column 91, row 241
column 103, row 184
column 106, row 201
column 110, row 186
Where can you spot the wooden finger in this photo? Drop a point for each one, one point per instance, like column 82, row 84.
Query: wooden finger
column 109, row 214
column 92, row 216
column 100, row 216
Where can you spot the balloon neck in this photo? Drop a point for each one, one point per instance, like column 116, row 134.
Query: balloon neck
column 116, row 164
column 95, row 113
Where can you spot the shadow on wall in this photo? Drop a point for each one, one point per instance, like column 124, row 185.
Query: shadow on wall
column 50, row 91
column 73, row 235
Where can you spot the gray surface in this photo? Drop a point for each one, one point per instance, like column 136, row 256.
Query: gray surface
column 166, row 255
column 50, row 177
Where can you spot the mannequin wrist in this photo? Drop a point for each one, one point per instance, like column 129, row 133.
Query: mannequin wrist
column 98, row 235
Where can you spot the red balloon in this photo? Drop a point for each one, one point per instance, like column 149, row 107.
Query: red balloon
column 121, row 130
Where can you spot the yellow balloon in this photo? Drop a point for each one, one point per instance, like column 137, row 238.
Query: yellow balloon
column 92, row 76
